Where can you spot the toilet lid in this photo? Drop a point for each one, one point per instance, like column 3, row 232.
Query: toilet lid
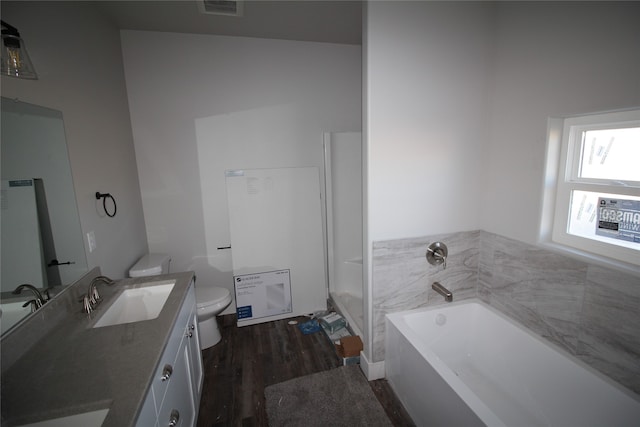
column 208, row 295
column 149, row 265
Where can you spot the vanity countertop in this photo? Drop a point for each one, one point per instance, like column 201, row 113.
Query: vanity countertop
column 76, row 368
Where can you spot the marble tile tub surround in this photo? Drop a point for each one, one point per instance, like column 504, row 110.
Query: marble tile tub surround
column 402, row 277
column 588, row 310
column 15, row 344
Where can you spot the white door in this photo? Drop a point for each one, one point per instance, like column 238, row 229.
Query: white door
column 276, row 229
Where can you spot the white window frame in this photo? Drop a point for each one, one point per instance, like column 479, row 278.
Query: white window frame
column 561, row 178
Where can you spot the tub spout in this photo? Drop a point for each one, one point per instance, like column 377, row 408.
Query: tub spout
column 448, row 296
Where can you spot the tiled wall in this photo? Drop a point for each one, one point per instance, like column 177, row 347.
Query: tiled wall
column 402, row 277
column 590, row 311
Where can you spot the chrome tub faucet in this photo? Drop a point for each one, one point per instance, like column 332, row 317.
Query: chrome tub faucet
column 448, row 296
column 437, row 254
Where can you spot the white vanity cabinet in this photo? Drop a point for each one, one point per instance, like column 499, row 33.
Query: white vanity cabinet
column 195, row 355
column 174, row 396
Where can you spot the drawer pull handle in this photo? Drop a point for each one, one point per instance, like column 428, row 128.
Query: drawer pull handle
column 190, row 333
column 174, row 418
column 166, row 372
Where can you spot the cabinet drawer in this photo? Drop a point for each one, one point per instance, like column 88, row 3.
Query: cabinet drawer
column 167, row 366
column 149, row 412
column 178, row 408
column 172, row 399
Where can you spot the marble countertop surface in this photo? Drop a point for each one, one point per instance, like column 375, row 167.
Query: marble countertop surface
column 76, row 368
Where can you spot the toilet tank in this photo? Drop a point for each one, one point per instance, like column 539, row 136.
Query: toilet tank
column 151, row 265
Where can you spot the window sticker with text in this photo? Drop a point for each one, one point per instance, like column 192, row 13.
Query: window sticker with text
column 619, row 219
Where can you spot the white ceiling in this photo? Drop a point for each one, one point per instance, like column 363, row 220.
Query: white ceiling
column 337, row 21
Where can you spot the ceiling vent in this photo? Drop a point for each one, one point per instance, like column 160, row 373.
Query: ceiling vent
column 221, row 7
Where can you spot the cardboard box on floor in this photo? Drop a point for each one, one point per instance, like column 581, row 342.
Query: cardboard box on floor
column 350, row 346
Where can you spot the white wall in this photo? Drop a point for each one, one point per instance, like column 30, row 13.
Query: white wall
column 201, row 104
column 428, row 65
column 458, row 99
column 76, row 53
column 586, row 60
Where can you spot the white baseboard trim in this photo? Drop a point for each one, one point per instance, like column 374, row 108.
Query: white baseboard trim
column 371, row 370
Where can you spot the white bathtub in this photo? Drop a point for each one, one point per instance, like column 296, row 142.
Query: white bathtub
column 466, row 364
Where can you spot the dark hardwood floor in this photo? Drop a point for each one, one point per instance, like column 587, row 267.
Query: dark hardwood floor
column 248, row 359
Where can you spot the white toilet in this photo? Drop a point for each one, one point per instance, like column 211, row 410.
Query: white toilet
column 210, row 300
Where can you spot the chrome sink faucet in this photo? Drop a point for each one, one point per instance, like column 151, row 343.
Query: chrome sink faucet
column 39, row 300
column 91, row 300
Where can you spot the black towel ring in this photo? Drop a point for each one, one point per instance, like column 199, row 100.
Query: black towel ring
column 104, row 197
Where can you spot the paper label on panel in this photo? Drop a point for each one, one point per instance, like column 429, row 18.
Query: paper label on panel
column 232, row 173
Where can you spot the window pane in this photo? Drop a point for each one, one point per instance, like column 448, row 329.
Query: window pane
column 583, row 217
column 611, row 154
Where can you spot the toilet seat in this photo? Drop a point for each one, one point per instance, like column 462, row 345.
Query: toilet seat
column 207, row 296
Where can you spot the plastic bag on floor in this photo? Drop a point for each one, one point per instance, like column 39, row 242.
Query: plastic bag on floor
column 309, row 327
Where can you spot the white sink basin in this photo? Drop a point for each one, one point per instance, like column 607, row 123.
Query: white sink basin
column 87, row 419
column 137, row 304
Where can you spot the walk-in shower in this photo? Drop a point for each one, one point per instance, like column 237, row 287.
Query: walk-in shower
column 343, row 179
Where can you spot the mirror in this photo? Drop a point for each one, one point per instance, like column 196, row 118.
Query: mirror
column 41, row 236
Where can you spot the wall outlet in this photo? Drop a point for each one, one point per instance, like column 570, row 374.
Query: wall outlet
column 91, row 240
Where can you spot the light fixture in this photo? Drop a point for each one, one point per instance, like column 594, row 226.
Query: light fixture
column 15, row 60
